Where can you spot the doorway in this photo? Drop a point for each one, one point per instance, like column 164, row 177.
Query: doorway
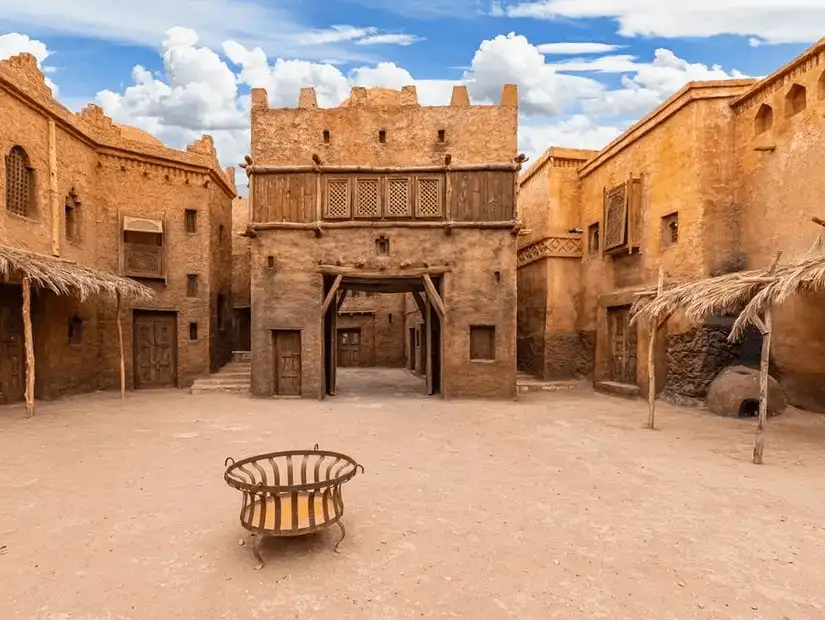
column 155, row 349
column 623, row 345
column 243, row 329
column 12, row 359
column 286, row 347
column 411, row 350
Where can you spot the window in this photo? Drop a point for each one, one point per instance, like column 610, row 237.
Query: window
column 326, row 136
column 593, row 238
column 482, row 342
column 20, row 187
column 382, row 246
column 192, row 285
column 143, row 250
column 497, row 276
column 615, row 218
column 270, row 262
column 193, row 331
column 382, row 136
column 795, row 100
column 389, row 318
column 442, row 135
column 220, row 233
column 670, row 229
column 70, row 222
column 191, row 220
column 428, row 197
column 763, row 120
column 337, row 199
column 75, row 330
column 220, row 309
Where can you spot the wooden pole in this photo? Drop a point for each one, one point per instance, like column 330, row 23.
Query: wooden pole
column 651, row 360
column 29, row 343
column 120, row 346
column 759, row 447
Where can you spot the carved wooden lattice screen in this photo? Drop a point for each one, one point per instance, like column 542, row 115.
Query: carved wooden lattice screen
column 18, row 182
column 367, row 198
column 337, row 205
column 615, row 216
column 398, row 197
column 428, row 197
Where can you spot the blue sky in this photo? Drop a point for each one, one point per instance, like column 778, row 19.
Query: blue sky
column 196, row 76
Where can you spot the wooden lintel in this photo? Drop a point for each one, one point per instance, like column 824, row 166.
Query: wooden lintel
column 341, row 299
column 435, row 298
column 319, row 227
column 331, row 169
column 331, row 295
column 419, row 302
column 355, row 272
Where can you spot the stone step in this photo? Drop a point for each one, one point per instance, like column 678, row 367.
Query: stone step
column 622, row 390
column 527, row 384
column 232, row 389
column 223, row 380
column 241, row 356
column 230, row 374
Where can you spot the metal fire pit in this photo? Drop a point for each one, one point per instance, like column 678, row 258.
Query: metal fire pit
column 290, row 493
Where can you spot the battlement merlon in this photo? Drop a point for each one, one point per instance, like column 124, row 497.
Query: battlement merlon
column 385, row 127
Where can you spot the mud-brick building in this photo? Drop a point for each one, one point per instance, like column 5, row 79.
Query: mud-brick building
column 371, row 330
column 241, row 294
column 80, row 188
column 383, row 195
column 715, row 180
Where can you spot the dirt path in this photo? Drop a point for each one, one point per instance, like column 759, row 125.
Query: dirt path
column 556, row 506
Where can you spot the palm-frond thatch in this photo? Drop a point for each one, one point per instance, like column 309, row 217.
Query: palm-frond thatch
column 746, row 293
column 65, row 277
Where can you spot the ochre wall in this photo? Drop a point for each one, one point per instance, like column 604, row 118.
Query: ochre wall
column 240, row 252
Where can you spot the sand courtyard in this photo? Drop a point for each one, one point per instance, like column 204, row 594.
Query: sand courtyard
column 558, row 505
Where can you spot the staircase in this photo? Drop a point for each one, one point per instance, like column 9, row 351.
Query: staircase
column 234, row 377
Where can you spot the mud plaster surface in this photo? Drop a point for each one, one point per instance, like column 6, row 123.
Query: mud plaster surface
column 556, row 506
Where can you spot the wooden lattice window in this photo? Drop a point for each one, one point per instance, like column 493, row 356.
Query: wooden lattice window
column 367, row 198
column 398, row 197
column 143, row 254
column 338, row 203
column 191, row 220
column 615, row 217
column 19, row 183
column 482, row 342
column 428, row 197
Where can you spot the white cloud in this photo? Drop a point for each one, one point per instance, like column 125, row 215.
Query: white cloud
column 390, row 39
column 14, row 43
column 512, row 59
column 578, row 132
column 774, row 21
column 619, row 63
column 577, row 48
column 334, row 34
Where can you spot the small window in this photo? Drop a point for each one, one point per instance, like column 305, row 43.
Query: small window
column 482, row 342
column 192, row 285
column 382, row 246
column 670, row 229
column 763, row 120
column 796, row 100
column 191, row 220
column 220, row 233
column 270, row 262
column 75, row 330
column 193, row 331
column 593, row 240
column 442, row 135
column 389, row 318
column 497, row 276
column 70, row 222
column 326, row 136
column 382, row 136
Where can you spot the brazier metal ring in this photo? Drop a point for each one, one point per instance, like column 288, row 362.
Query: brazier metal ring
column 291, row 493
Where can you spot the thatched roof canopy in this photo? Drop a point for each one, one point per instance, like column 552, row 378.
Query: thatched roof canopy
column 65, row 277
column 747, row 293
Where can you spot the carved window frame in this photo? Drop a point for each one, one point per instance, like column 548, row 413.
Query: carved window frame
column 390, row 180
column 360, row 182
column 335, row 181
column 439, row 184
column 616, row 203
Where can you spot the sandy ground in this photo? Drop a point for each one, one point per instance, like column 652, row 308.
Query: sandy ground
column 556, row 506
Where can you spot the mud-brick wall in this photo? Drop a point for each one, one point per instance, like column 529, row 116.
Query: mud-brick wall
column 480, row 289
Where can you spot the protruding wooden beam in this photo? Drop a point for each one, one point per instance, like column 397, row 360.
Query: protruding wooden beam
column 355, row 272
column 28, row 339
column 331, row 295
column 434, row 297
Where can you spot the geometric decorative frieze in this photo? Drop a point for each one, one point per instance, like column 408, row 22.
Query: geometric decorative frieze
column 551, row 247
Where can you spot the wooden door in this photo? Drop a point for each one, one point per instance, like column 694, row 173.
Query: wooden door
column 622, row 338
column 155, row 350
column 12, row 356
column 349, row 347
column 287, row 348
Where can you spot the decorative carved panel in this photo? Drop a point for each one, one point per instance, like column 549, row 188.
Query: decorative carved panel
column 428, row 198
column 338, row 204
column 367, row 198
column 551, row 247
column 143, row 260
column 398, row 197
column 615, row 217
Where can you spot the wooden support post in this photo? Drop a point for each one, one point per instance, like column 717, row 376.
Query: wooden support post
column 341, row 299
column 651, row 359
column 29, row 344
column 421, row 304
column 331, row 295
column 433, row 296
column 759, row 446
column 120, row 346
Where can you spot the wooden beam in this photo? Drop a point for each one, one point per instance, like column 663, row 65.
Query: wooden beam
column 54, row 203
column 434, row 297
column 651, row 359
column 341, row 299
column 29, row 344
column 331, row 295
column 355, row 272
column 120, row 346
column 818, row 220
column 335, row 169
column 322, row 226
column 421, row 304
